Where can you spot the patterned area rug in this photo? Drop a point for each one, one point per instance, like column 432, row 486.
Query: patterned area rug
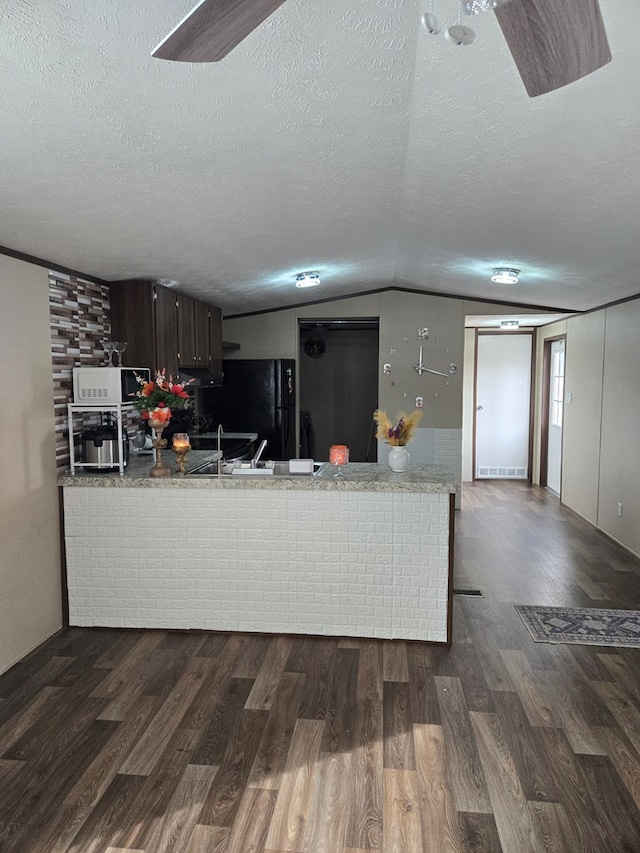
column 587, row 626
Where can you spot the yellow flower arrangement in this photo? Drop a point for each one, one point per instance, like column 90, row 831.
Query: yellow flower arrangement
column 402, row 432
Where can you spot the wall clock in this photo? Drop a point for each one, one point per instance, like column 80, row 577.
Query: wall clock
column 421, row 368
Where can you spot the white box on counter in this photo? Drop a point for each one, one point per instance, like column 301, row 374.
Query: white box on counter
column 301, row 466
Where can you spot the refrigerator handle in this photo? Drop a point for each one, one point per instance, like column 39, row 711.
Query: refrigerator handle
column 288, row 429
column 284, row 419
column 290, row 380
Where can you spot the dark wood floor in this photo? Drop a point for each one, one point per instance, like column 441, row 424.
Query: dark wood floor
column 121, row 741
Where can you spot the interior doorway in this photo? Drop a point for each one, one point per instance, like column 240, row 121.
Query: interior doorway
column 552, row 414
column 338, row 387
column 502, row 425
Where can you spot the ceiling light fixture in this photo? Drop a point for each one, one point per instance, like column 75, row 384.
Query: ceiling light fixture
column 307, row 279
column 505, row 275
column 430, row 22
column 459, row 34
column 510, row 324
column 475, row 7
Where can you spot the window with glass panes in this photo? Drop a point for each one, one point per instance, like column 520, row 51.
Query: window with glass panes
column 557, row 384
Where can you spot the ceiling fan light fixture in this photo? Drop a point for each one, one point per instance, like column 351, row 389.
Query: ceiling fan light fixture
column 307, row 279
column 505, row 275
column 460, row 35
column 430, row 23
column 475, row 7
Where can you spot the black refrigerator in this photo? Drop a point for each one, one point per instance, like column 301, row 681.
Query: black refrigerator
column 259, row 395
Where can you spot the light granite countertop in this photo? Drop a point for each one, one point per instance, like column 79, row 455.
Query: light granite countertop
column 357, row 476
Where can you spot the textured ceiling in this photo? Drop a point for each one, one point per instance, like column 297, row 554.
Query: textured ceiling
column 338, row 137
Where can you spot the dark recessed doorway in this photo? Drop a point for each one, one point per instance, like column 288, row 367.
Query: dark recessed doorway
column 338, row 387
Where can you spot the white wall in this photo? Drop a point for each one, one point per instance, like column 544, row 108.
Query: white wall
column 601, row 444
column 620, row 443
column 584, row 359
column 30, row 588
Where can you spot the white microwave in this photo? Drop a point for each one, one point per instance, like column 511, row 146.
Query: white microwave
column 107, row 384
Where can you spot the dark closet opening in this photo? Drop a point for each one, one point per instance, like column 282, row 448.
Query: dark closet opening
column 338, row 387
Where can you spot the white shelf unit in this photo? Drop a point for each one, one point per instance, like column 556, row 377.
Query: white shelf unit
column 118, row 409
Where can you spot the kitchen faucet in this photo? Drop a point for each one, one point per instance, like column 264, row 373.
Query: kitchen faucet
column 254, row 461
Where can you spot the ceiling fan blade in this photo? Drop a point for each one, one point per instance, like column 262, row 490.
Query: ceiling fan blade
column 554, row 42
column 211, row 30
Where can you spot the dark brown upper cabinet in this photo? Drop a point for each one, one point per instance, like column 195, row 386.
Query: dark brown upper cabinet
column 193, row 332
column 165, row 329
column 144, row 315
column 186, row 332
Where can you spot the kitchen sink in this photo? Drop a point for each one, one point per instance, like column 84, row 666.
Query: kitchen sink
column 244, row 469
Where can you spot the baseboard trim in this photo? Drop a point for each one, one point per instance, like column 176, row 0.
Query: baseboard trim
column 31, row 649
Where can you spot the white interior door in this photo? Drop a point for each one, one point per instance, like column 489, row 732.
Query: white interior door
column 503, row 401
column 556, row 406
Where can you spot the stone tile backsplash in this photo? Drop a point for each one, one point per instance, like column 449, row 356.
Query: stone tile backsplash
column 80, row 321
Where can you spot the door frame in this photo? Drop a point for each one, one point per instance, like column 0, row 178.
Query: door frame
column 544, row 408
column 505, row 333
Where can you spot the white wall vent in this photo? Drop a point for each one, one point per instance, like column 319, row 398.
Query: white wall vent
column 501, row 473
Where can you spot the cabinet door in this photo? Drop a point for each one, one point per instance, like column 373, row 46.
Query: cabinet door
column 215, row 340
column 132, row 320
column 201, row 333
column 186, row 332
column 166, row 331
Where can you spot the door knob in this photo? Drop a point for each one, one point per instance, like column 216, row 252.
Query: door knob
column 480, row 409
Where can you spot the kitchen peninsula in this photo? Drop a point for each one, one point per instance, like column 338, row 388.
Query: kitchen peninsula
column 368, row 554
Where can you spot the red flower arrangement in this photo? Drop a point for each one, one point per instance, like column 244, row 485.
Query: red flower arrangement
column 156, row 399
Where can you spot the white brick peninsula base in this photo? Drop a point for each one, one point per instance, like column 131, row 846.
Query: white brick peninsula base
column 365, row 556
